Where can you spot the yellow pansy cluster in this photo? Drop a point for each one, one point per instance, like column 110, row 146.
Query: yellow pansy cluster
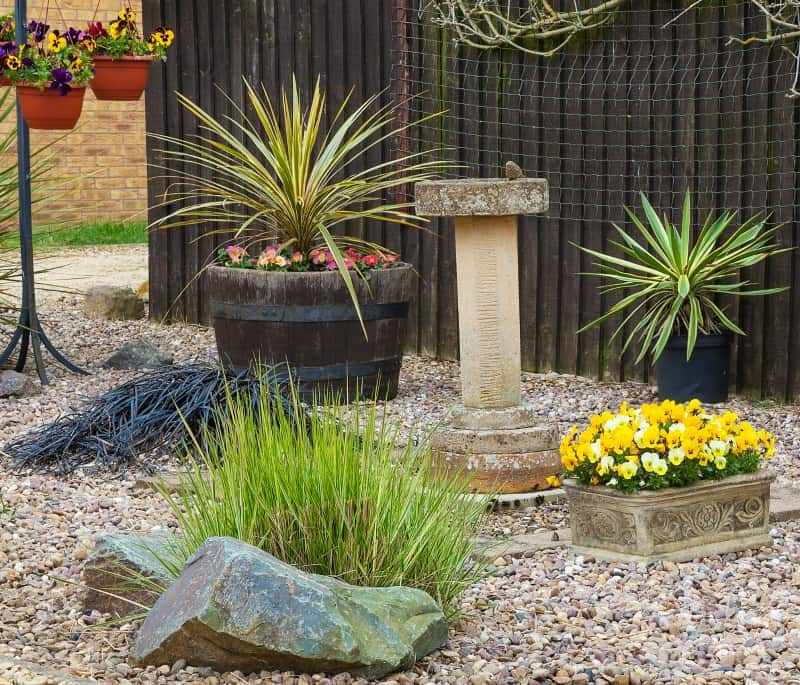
column 662, row 445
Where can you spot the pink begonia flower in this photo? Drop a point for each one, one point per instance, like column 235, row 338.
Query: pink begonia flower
column 298, row 257
column 332, row 266
column 391, row 258
column 263, row 260
column 236, row 253
column 370, row 260
column 270, row 254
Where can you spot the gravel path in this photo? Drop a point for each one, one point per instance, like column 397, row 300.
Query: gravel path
column 554, row 618
column 81, row 268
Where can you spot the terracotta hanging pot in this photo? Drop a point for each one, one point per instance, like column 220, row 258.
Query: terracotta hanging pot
column 5, row 82
column 122, row 79
column 50, row 110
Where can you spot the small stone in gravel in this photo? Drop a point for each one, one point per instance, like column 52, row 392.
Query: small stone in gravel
column 120, row 555
column 113, row 303
column 137, row 355
column 13, row 384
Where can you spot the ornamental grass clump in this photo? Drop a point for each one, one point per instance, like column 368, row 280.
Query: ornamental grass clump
column 663, row 445
column 335, row 495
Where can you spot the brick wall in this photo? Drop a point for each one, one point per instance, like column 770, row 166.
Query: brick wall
column 106, row 153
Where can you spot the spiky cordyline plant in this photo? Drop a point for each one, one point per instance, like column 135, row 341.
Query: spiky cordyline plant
column 671, row 280
column 277, row 179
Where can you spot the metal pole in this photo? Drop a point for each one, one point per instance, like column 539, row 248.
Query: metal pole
column 25, row 218
column 29, row 332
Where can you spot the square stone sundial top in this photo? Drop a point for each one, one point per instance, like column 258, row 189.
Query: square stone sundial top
column 482, row 197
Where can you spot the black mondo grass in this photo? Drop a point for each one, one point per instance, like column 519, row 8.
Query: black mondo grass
column 157, row 410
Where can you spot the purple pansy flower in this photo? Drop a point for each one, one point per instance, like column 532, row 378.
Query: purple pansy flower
column 61, row 79
column 8, row 49
column 74, row 36
column 39, row 30
column 27, row 62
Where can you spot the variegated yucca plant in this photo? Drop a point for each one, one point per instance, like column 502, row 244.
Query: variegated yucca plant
column 670, row 281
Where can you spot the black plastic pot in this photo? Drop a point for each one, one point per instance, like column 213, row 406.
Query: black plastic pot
column 704, row 376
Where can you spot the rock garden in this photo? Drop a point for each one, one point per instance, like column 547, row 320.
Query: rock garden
column 286, row 496
column 541, row 614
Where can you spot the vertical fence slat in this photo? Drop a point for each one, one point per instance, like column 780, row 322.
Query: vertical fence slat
column 633, row 106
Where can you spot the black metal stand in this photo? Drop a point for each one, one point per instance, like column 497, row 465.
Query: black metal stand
column 29, row 333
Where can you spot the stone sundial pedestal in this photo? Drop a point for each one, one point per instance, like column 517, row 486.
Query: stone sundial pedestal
column 491, row 438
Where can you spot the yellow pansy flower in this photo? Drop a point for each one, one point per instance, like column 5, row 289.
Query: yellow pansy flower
column 56, row 43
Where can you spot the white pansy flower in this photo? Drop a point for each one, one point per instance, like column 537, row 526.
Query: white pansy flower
column 649, row 459
column 676, row 456
column 718, row 448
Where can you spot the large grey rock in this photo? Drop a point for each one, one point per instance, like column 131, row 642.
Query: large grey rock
column 137, row 355
column 112, row 302
column 235, row 607
column 13, row 384
column 106, row 571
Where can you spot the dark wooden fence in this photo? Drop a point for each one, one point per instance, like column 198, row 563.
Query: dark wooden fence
column 601, row 121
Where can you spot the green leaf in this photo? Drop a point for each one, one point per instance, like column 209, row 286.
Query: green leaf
column 684, row 286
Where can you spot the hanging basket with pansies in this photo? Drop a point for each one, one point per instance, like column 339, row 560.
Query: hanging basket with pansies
column 50, row 72
column 122, row 57
column 7, row 29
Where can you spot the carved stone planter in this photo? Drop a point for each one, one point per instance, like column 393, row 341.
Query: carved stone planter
column 710, row 517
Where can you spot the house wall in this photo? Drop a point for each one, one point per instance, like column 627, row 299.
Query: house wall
column 102, row 162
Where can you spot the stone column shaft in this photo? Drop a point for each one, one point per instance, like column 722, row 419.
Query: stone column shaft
column 488, row 311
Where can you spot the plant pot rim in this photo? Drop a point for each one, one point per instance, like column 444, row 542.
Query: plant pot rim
column 665, row 494
column 45, row 89
column 123, row 58
column 403, row 268
column 703, row 339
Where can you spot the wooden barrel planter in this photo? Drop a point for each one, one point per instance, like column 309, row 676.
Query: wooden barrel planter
column 308, row 321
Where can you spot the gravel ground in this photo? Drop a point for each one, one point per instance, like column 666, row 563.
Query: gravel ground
column 80, row 268
column 551, row 618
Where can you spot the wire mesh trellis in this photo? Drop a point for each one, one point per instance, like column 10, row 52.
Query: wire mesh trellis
column 636, row 105
column 657, row 100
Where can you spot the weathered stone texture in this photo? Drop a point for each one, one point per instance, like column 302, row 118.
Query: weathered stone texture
column 112, row 303
column 115, row 561
column 506, row 418
column 482, row 197
column 137, row 355
column 679, row 524
column 235, row 607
